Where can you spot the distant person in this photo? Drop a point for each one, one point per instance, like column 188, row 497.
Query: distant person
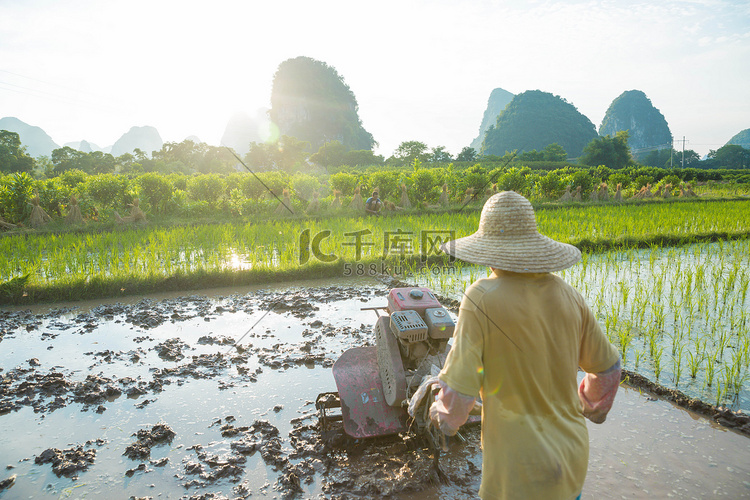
column 374, row 204
column 521, row 336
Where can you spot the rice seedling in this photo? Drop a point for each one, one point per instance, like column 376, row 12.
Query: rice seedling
column 677, row 365
column 638, row 358
column 694, row 363
column 656, row 358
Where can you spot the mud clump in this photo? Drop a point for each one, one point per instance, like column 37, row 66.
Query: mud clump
column 171, row 350
column 95, row 390
column 7, row 482
column 146, row 439
column 68, row 462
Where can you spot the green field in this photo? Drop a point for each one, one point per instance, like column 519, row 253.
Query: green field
column 136, row 260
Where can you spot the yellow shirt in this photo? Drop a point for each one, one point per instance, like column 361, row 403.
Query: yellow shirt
column 519, row 341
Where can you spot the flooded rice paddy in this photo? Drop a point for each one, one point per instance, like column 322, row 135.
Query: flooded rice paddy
column 155, row 398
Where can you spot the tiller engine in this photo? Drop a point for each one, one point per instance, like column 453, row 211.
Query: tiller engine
column 375, row 383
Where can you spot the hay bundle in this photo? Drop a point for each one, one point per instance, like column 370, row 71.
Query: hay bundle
column 468, row 195
column 667, row 191
column 357, row 203
column 74, row 212
column 566, row 197
column 645, row 192
column 285, row 205
column 38, row 216
column 6, row 225
column 314, row 204
column 489, row 192
column 618, row 192
column 136, row 214
column 594, row 196
column 658, row 193
column 686, row 191
column 405, row 203
column 603, row 192
column 444, row 195
column 577, row 194
column 336, row 203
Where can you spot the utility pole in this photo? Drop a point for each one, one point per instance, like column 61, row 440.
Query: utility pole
column 683, row 151
column 671, row 150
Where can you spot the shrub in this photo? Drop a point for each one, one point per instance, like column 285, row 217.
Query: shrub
column 53, row 194
column 385, row 181
column 206, row 187
column 109, row 190
column 424, row 186
column 155, row 190
column 550, row 185
column 304, row 185
column 275, row 181
column 583, row 179
column 513, row 180
column 344, row 182
column 15, row 194
column 642, row 180
column 619, row 178
column 72, row 178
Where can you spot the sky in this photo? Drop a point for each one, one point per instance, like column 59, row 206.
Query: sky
column 421, row 70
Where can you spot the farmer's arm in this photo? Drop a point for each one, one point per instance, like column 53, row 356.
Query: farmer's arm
column 597, row 393
column 601, row 362
column 461, row 377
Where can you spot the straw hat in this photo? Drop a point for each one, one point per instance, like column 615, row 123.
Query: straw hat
column 508, row 239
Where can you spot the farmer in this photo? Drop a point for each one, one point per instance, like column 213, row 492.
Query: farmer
column 373, row 204
column 521, row 336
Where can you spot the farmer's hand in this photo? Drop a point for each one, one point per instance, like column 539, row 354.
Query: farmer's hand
column 451, row 409
column 597, row 393
column 437, row 417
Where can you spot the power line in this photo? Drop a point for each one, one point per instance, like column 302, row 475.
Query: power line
column 95, row 101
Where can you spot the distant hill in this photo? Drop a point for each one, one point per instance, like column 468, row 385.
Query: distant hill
column 36, row 140
column 499, row 98
column 242, row 129
column 86, row 147
column 147, row 139
column 536, row 119
column 741, row 139
column 646, row 126
column 311, row 101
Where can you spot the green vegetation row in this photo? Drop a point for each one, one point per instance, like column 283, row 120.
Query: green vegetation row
column 241, row 196
column 51, row 267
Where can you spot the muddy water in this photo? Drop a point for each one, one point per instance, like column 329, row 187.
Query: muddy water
column 150, row 398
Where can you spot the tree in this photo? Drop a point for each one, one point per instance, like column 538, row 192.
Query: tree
column 407, row 151
column 666, row 158
column 261, row 155
column 467, row 154
column 555, row 152
column 330, row 154
column 731, row 156
column 440, row 155
column 291, row 153
column 532, row 155
column 610, row 151
column 66, row 158
column 13, row 157
column 362, row 157
column 286, row 154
